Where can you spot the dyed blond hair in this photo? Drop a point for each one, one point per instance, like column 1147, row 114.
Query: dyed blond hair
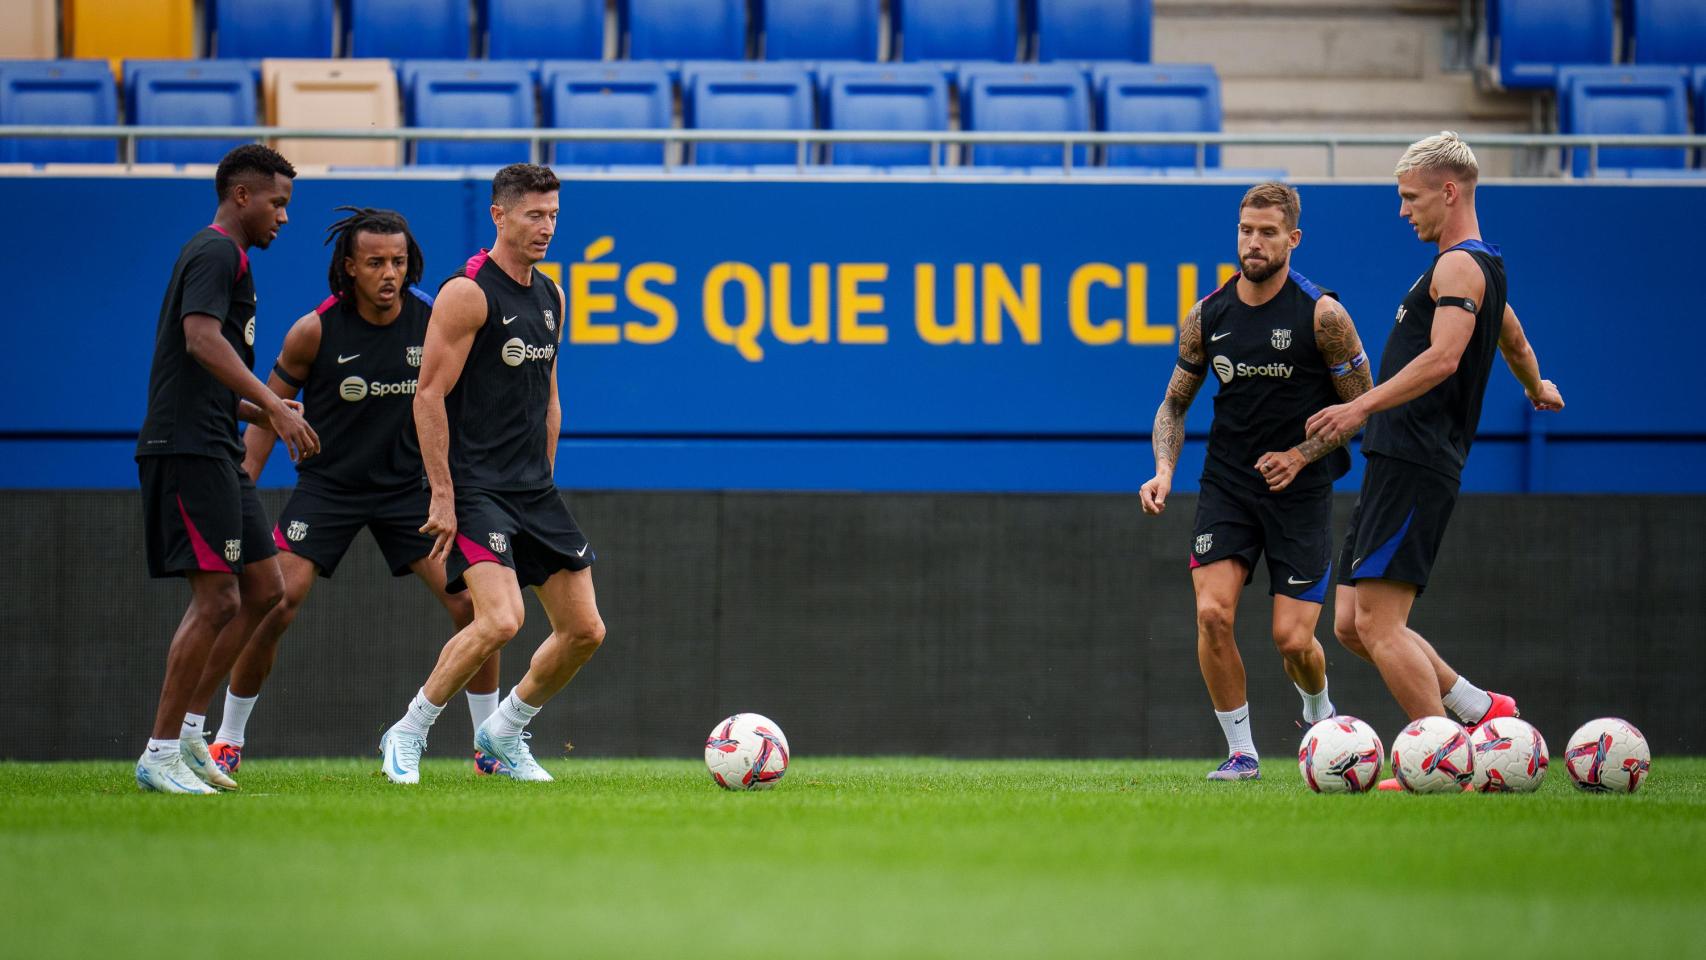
column 1444, row 151
column 1274, row 194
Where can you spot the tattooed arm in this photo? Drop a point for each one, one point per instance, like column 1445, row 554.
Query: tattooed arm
column 1336, row 337
column 1169, row 432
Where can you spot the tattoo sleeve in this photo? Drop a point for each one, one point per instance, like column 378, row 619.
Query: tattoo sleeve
column 1169, row 431
column 1336, row 337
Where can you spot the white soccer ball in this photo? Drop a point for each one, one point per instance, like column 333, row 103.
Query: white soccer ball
column 746, row 752
column 1340, row 755
column 1432, row 755
column 1510, row 756
column 1608, row 755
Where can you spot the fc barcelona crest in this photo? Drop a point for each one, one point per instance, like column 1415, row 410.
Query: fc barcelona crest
column 296, row 531
column 499, row 542
column 1281, row 339
column 1205, row 543
column 233, row 551
column 413, row 355
column 550, row 321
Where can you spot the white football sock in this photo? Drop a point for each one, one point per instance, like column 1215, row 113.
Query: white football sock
column 193, row 722
column 481, row 706
column 235, row 720
column 160, row 751
column 512, row 715
column 418, row 719
column 1316, row 706
column 1469, row 702
column 1236, row 725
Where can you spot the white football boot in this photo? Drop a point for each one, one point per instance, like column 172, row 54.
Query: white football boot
column 512, row 752
column 402, row 751
column 194, row 751
column 163, row 771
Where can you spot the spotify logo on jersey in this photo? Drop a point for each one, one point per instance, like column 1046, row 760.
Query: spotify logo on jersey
column 515, row 353
column 249, row 332
column 353, row 389
column 1223, row 369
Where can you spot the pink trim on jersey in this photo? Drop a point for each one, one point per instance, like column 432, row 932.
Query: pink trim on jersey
column 279, row 541
column 1195, row 563
column 474, row 553
column 327, row 304
column 475, row 262
column 242, row 255
column 205, row 558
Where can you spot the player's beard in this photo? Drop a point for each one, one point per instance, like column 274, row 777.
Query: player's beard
column 1263, row 270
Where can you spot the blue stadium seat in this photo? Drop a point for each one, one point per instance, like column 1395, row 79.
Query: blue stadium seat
column 1160, row 98
column 1047, row 97
column 1536, row 37
column 244, row 29
column 758, row 96
column 189, row 93
column 958, row 29
column 57, row 92
column 1093, row 29
column 1624, row 100
column 1699, row 87
column 895, row 96
column 1667, row 31
column 418, row 29
column 408, row 70
column 611, row 95
column 821, row 29
column 684, row 29
column 535, row 29
column 471, row 94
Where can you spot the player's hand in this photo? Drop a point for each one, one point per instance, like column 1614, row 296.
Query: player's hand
column 1339, row 420
column 1280, row 469
column 1548, row 398
column 299, row 438
column 441, row 526
column 1153, row 494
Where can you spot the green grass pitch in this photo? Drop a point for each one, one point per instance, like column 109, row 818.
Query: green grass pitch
column 861, row 857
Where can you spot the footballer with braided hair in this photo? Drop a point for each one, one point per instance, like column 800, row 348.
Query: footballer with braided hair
column 355, row 359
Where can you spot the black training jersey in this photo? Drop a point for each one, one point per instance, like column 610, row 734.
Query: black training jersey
column 189, row 410
column 360, row 396
column 1437, row 428
column 1272, row 379
column 497, row 408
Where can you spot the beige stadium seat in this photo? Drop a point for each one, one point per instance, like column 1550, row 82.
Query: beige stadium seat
column 333, row 93
column 29, row 30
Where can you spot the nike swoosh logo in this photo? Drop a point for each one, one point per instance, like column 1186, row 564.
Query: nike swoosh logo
column 1239, row 720
column 582, row 551
column 1298, row 583
column 1219, row 335
column 344, row 359
column 1356, row 563
column 509, row 320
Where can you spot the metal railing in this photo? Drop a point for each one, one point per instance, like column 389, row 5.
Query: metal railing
column 805, row 140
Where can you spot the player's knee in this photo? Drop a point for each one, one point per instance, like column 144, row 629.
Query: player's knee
column 1345, row 631
column 263, row 598
column 1293, row 643
column 1368, row 629
column 588, row 636
column 1214, row 620
column 219, row 606
column 496, row 627
column 460, row 607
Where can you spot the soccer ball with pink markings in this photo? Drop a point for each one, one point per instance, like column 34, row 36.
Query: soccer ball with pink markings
column 1432, row 755
column 1608, row 755
column 1510, row 756
column 1340, row 755
column 746, row 752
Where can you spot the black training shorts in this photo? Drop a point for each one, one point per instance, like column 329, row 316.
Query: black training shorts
column 200, row 514
column 1293, row 527
column 529, row 531
column 319, row 524
column 1398, row 524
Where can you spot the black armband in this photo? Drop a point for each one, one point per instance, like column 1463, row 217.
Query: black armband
column 279, row 371
column 1194, row 369
column 1463, row 302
